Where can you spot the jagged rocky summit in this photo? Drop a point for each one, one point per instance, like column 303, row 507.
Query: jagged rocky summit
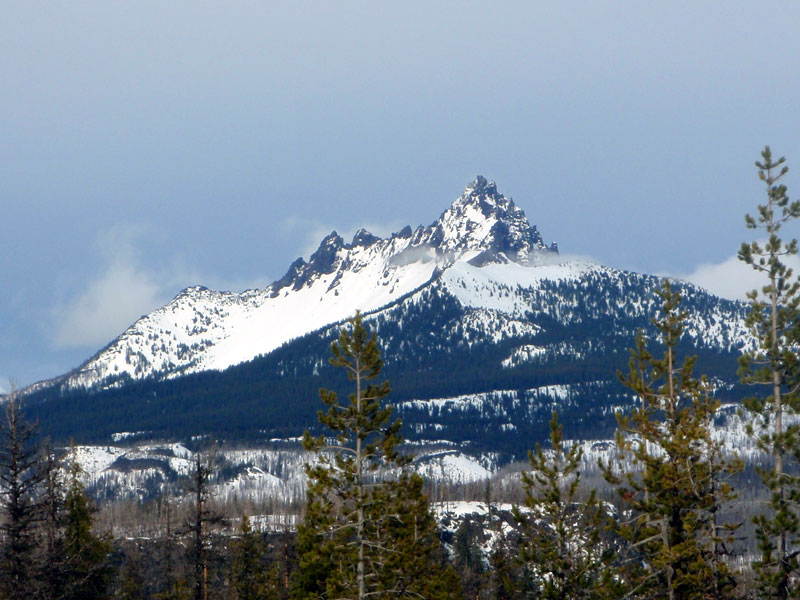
column 482, row 224
column 203, row 329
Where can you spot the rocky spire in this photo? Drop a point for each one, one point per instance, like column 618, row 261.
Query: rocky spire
column 482, row 223
column 482, row 219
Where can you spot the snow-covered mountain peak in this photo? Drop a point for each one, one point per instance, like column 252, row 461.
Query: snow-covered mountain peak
column 204, row 329
column 484, row 220
column 482, row 226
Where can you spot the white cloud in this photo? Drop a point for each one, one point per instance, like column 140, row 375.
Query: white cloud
column 111, row 303
column 731, row 278
column 125, row 289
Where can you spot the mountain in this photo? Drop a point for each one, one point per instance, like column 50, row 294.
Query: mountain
column 484, row 330
column 202, row 329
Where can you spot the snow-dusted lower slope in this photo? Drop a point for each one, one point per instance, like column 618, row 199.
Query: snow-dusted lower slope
column 276, row 472
column 259, row 474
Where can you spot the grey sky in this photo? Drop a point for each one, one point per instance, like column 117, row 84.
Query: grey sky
column 153, row 145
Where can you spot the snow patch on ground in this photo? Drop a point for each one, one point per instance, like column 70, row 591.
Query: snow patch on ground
column 462, row 508
column 95, row 459
column 451, row 466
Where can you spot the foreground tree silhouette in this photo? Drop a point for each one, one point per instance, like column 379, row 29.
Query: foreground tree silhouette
column 52, row 501
column 200, row 521
column 354, row 540
column 20, row 479
column 673, row 488
column 773, row 319
column 86, row 568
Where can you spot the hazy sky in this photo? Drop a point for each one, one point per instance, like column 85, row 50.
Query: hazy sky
column 148, row 146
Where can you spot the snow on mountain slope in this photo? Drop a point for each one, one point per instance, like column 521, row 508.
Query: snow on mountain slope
column 451, row 466
column 203, row 329
column 493, row 402
column 567, row 291
column 497, row 286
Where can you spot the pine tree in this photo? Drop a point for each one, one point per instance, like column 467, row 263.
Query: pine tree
column 414, row 564
column 504, row 577
column 773, row 319
column 20, row 480
column 468, row 559
column 354, row 540
column 563, row 546
column 673, row 490
column 249, row 575
column 87, row 570
column 337, row 555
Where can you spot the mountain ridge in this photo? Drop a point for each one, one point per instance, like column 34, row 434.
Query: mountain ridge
column 501, row 317
column 205, row 329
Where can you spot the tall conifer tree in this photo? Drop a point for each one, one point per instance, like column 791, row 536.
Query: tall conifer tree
column 354, row 541
column 53, row 503
column 87, row 571
column 201, row 519
column 468, row 557
column 249, row 573
column 338, row 555
column 414, row 565
column 673, row 489
column 773, row 319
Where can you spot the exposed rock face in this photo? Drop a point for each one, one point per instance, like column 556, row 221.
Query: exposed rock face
column 483, row 219
column 481, row 222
